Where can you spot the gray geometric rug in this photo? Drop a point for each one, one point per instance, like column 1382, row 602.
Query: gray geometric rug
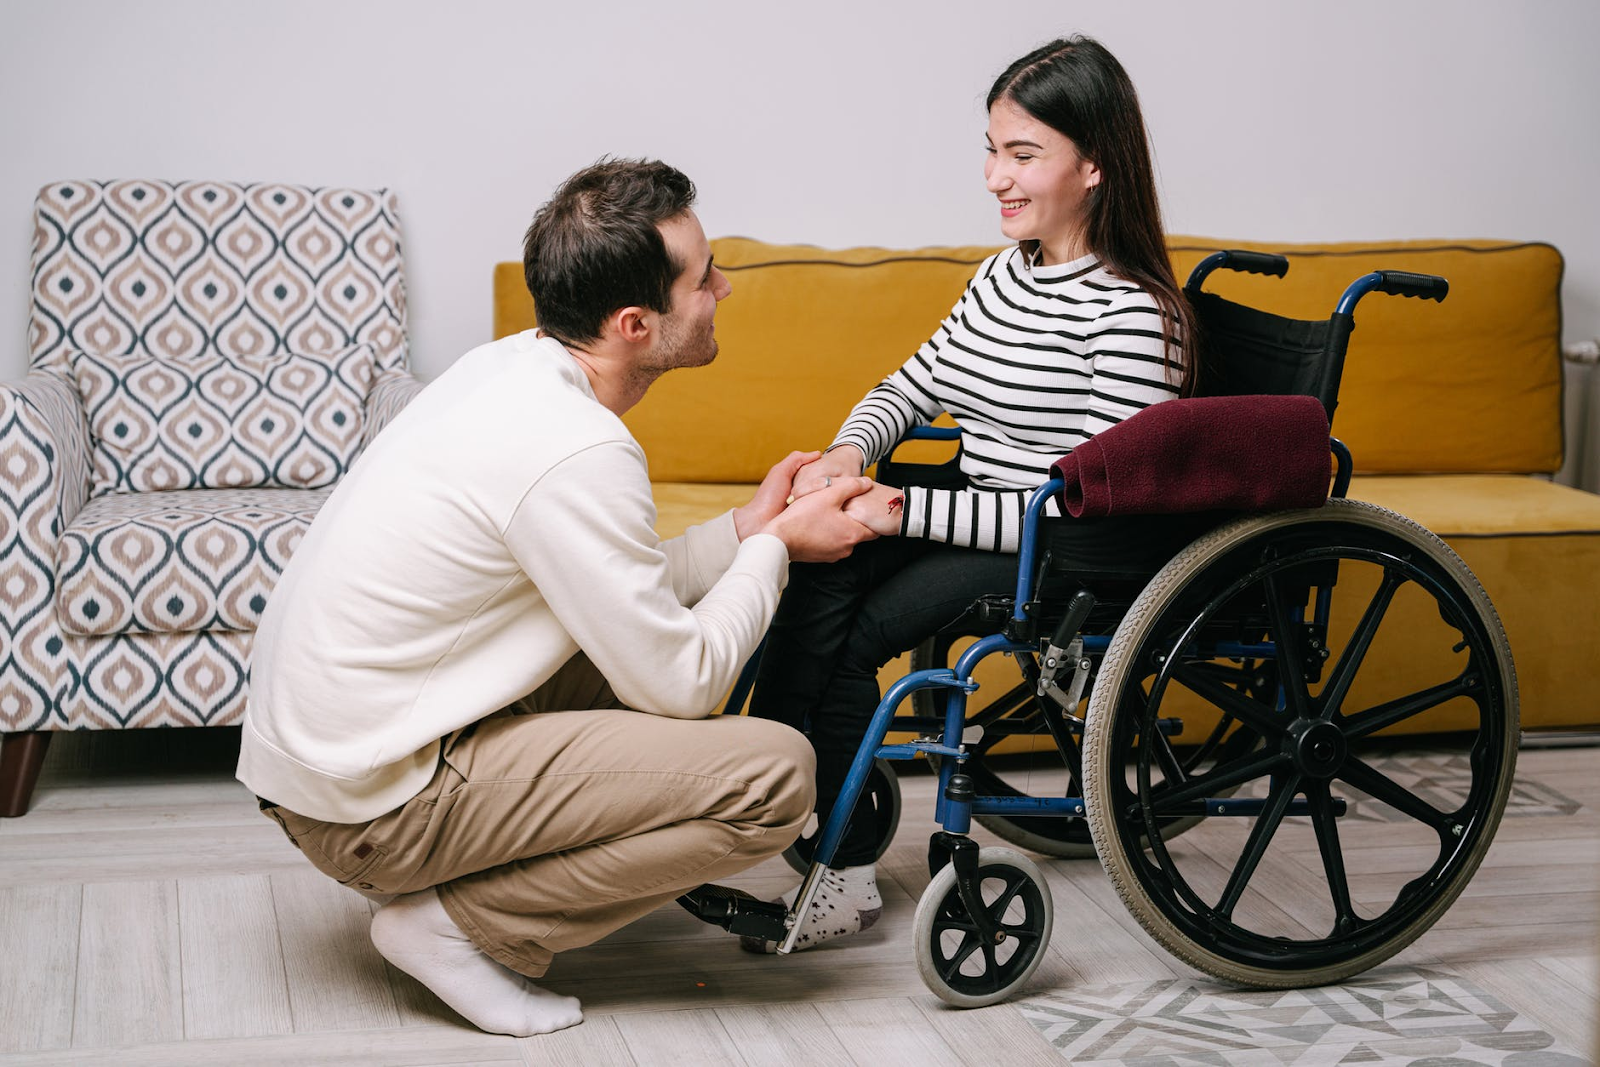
column 1411, row 1015
column 1443, row 781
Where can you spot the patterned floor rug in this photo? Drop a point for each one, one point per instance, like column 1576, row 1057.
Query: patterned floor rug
column 1442, row 780
column 1412, row 1016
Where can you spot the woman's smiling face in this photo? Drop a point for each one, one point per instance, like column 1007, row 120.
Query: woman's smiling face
column 1041, row 181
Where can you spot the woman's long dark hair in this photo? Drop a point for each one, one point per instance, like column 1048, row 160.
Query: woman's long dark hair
column 1077, row 88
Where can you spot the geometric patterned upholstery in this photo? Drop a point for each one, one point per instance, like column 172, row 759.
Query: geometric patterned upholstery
column 139, row 609
column 188, row 269
column 177, row 562
column 222, row 422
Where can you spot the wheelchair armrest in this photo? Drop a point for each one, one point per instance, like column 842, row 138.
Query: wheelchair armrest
column 944, row 475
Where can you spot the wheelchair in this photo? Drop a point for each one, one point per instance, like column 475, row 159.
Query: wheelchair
column 1198, row 718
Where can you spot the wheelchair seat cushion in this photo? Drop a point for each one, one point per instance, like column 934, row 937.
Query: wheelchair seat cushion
column 1244, row 453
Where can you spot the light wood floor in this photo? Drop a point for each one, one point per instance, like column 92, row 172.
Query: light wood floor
column 150, row 915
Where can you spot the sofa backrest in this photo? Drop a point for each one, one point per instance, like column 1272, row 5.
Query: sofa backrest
column 1470, row 385
column 182, row 270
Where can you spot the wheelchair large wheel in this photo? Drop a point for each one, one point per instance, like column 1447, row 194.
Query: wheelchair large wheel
column 1302, row 891
column 880, row 796
column 1018, row 774
column 956, row 963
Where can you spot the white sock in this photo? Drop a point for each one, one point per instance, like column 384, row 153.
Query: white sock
column 417, row 935
column 847, row 902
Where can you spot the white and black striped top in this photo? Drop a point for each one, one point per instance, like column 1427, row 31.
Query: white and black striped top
column 1031, row 362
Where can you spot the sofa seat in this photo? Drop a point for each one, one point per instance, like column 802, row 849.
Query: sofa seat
column 177, row 562
column 1535, row 547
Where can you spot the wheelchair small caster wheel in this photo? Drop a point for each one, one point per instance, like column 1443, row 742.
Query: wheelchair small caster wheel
column 880, row 795
column 958, row 963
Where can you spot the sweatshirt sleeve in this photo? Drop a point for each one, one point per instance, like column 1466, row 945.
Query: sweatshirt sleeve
column 697, row 557
column 906, row 398
column 584, row 535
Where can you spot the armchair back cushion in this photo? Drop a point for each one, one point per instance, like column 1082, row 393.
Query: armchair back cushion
column 186, row 270
column 222, row 422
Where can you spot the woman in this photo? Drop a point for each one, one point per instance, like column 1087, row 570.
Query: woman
column 1069, row 332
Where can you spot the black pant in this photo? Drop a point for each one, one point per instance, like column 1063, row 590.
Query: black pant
column 838, row 623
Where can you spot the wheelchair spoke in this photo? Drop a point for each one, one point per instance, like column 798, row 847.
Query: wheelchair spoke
column 1380, row 786
column 1240, row 706
column 1344, row 672
column 1169, row 762
column 1327, row 825
column 1390, row 712
column 1014, row 885
column 1266, row 825
column 1286, row 633
column 1250, row 766
column 1021, row 934
column 969, row 944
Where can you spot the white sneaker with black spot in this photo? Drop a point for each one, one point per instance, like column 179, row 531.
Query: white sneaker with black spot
column 847, row 902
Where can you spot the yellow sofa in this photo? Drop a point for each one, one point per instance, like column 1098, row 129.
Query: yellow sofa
column 1452, row 411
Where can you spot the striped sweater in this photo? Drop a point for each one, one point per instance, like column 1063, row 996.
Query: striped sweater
column 1031, row 362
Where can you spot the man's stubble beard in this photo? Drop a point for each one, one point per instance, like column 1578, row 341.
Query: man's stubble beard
column 677, row 348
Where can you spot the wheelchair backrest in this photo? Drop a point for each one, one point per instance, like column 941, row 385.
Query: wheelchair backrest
column 1244, row 351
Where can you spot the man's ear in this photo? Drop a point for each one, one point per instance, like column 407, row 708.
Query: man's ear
column 630, row 324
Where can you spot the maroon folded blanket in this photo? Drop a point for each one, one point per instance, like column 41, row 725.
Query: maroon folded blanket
column 1246, row 453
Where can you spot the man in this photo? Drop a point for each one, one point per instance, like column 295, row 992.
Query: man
column 483, row 684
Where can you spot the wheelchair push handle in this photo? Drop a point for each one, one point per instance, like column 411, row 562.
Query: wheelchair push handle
column 1393, row 283
column 1405, row 283
column 1239, row 260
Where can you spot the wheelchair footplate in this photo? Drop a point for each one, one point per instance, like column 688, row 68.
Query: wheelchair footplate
column 736, row 911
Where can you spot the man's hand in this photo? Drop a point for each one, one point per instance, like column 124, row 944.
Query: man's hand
column 878, row 509
column 772, row 494
column 816, row 528
column 842, row 462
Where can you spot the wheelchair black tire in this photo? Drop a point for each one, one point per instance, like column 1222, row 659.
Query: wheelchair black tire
column 940, row 912
column 882, row 794
column 1266, row 550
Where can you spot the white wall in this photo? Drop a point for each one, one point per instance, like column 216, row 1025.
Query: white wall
column 832, row 122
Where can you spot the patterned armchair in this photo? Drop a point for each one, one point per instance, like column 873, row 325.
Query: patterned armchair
column 206, row 359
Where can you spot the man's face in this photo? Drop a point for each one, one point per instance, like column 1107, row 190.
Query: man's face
column 686, row 335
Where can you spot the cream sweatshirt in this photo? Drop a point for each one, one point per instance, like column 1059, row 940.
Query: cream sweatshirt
column 501, row 523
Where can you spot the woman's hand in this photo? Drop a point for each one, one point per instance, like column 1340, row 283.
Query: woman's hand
column 878, row 509
column 772, row 495
column 842, row 462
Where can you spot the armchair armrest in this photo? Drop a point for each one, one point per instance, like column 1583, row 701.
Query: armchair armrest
column 44, row 483
column 44, row 455
column 392, row 393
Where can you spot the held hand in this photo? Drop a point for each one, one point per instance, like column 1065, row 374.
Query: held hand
column 771, row 495
column 816, row 528
column 841, row 462
column 878, row 509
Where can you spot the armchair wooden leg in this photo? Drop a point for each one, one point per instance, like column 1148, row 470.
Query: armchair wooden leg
column 21, row 756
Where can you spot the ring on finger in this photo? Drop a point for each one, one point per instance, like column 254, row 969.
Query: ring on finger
column 827, row 480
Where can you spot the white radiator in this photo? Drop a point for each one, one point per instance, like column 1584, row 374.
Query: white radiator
column 1581, row 416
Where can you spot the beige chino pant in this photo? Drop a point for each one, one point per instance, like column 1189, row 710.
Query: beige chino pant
column 555, row 821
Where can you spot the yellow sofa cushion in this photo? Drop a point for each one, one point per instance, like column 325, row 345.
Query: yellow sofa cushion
column 1472, row 385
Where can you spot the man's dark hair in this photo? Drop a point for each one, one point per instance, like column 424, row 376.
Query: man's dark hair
column 595, row 246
